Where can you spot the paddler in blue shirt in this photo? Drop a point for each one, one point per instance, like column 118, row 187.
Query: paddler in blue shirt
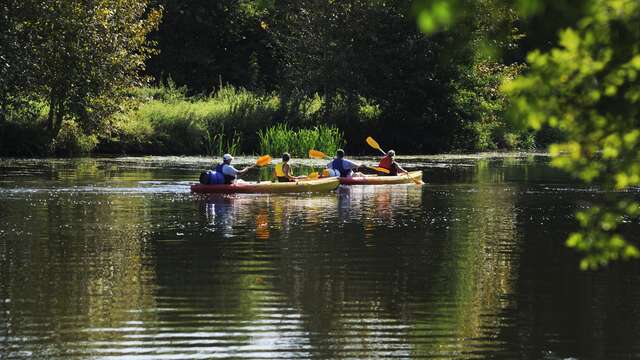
column 230, row 173
column 343, row 166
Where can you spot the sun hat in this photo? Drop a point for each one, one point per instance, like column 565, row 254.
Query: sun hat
column 227, row 157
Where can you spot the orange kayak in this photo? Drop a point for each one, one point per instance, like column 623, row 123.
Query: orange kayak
column 250, row 187
column 381, row 179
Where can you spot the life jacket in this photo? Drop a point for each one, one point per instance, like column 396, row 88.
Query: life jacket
column 338, row 164
column 387, row 163
column 282, row 177
column 279, row 170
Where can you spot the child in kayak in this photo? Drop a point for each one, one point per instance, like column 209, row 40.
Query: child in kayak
column 283, row 170
column 230, row 173
column 343, row 166
column 388, row 162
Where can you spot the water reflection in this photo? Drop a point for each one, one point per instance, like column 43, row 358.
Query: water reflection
column 468, row 266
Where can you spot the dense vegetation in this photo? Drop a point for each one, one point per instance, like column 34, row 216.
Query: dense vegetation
column 587, row 87
column 243, row 66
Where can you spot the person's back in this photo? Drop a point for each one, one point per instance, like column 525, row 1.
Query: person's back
column 283, row 171
column 230, row 173
column 342, row 165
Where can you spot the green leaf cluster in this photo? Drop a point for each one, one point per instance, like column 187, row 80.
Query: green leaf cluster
column 588, row 86
column 78, row 57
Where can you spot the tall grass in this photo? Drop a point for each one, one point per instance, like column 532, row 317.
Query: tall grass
column 170, row 123
column 280, row 138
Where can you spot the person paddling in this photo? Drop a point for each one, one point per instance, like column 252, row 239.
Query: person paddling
column 388, row 162
column 283, row 170
column 343, row 166
column 230, row 173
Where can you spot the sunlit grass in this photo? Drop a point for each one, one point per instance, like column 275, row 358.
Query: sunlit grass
column 280, row 138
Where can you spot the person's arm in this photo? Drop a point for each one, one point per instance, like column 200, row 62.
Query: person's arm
column 399, row 168
column 352, row 165
column 246, row 169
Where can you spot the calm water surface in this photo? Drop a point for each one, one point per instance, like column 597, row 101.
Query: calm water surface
column 114, row 258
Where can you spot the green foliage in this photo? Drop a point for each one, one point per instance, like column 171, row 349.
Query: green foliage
column 72, row 141
column 174, row 124
column 280, row 138
column 78, row 57
column 589, row 88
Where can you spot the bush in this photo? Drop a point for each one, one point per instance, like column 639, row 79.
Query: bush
column 72, row 141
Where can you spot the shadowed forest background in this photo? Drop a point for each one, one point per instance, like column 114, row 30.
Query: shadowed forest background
column 204, row 77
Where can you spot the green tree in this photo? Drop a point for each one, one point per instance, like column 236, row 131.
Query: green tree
column 589, row 87
column 17, row 68
column 82, row 56
column 355, row 52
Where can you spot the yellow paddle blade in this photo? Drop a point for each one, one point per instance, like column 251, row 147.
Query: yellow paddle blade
column 373, row 143
column 380, row 169
column 263, row 160
column 316, row 154
column 418, row 182
column 313, row 175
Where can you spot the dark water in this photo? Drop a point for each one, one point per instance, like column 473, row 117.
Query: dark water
column 114, row 258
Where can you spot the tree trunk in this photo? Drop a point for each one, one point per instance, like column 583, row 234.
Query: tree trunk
column 3, row 109
column 59, row 116
column 52, row 108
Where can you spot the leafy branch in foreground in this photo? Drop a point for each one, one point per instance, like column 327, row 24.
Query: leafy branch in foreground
column 589, row 88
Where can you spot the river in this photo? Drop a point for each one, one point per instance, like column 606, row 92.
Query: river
column 105, row 258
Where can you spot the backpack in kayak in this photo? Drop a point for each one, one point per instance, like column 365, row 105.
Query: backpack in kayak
column 211, row 177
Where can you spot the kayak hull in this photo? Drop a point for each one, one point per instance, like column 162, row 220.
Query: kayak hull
column 383, row 180
column 268, row 187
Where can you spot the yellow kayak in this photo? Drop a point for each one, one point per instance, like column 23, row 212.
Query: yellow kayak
column 300, row 186
column 382, row 180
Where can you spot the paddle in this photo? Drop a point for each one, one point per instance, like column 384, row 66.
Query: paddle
column 263, row 160
column 320, row 155
column 374, row 144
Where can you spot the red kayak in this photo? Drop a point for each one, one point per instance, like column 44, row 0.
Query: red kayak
column 317, row 185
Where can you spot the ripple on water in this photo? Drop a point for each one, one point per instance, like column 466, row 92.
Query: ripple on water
column 114, row 259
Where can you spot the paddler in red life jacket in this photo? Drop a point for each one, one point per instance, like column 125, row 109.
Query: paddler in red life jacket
column 283, row 170
column 343, row 166
column 388, row 162
column 230, row 173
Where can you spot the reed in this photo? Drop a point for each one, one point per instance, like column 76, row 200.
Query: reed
column 279, row 138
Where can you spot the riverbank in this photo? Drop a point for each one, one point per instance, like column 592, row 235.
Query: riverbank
column 165, row 121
